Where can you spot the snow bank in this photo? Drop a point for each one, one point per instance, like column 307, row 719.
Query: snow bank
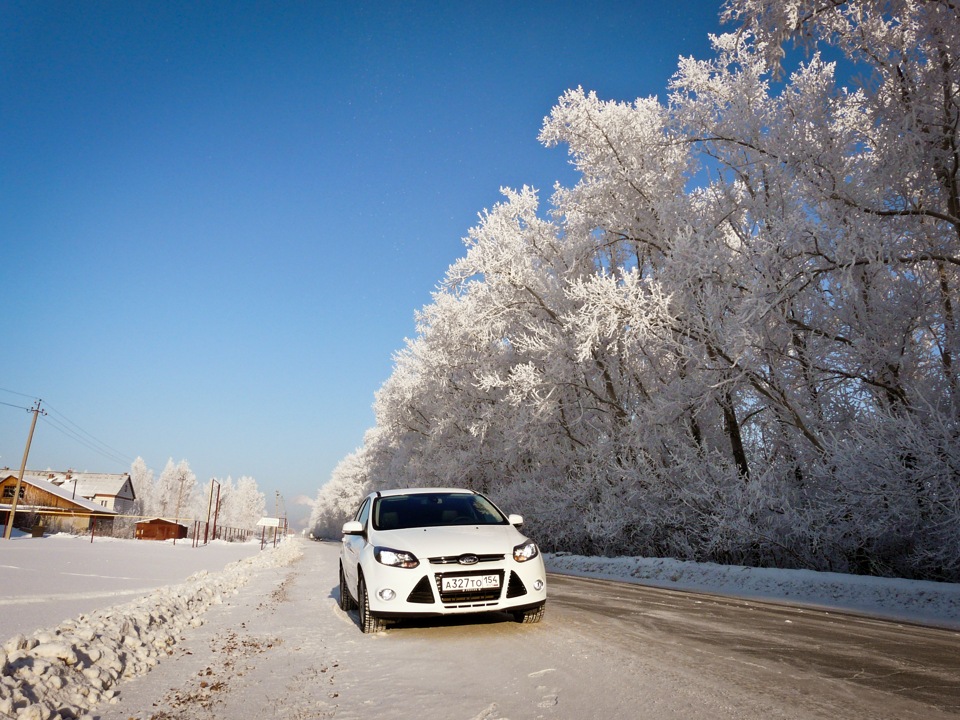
column 66, row 671
column 931, row 603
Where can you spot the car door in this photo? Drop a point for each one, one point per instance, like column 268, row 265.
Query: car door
column 353, row 544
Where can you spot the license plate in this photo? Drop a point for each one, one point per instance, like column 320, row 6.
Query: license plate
column 467, row 583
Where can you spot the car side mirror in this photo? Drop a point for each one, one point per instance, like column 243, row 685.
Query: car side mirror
column 352, row 527
column 516, row 520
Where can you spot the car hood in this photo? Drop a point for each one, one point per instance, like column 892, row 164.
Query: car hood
column 452, row 540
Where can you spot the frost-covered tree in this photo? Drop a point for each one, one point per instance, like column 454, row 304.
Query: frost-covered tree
column 177, row 492
column 236, row 505
column 339, row 497
column 735, row 338
column 220, row 502
column 246, row 503
column 142, row 479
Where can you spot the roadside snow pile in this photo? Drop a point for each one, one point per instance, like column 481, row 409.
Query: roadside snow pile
column 931, row 603
column 67, row 671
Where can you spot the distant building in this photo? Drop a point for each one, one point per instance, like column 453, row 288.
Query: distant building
column 160, row 529
column 52, row 506
column 113, row 491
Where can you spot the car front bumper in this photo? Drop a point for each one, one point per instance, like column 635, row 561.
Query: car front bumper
column 420, row 591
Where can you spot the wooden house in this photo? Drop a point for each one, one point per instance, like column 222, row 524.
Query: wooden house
column 114, row 491
column 43, row 503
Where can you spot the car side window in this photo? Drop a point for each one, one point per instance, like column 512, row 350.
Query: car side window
column 364, row 512
column 485, row 513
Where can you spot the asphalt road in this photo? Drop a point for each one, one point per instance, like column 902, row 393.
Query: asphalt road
column 809, row 657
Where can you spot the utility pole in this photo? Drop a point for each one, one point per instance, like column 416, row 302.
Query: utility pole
column 183, row 479
column 216, row 512
column 213, row 481
column 23, row 465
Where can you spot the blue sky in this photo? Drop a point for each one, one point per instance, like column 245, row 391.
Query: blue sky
column 218, row 219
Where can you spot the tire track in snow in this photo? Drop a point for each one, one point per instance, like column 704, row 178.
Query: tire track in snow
column 60, row 597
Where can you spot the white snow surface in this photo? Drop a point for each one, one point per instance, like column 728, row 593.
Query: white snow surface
column 69, row 669
column 46, row 580
column 917, row 601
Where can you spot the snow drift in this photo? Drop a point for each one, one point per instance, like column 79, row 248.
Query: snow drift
column 68, row 670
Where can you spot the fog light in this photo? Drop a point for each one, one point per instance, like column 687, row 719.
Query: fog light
column 538, row 585
column 386, row 594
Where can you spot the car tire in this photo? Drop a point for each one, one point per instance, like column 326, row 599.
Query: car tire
column 368, row 623
column 347, row 602
column 530, row 615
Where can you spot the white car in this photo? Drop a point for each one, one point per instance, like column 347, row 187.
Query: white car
column 437, row 551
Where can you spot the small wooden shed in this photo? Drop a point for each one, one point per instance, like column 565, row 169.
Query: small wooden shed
column 160, row 529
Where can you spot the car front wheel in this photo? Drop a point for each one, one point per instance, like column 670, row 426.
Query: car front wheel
column 368, row 623
column 530, row 615
column 346, row 600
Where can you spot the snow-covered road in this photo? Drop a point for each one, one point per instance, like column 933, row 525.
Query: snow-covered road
column 264, row 636
column 282, row 648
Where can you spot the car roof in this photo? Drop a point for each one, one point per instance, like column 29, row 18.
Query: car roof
column 421, row 491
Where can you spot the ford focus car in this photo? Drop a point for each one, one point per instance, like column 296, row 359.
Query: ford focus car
column 437, row 551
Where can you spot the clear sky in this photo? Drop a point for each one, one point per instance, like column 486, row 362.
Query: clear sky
column 217, row 219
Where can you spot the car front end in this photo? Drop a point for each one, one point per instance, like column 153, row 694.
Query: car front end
column 415, row 575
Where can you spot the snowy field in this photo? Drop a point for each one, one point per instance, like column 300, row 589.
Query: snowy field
column 86, row 644
column 44, row 581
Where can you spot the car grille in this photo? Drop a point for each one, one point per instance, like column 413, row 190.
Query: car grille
column 455, row 559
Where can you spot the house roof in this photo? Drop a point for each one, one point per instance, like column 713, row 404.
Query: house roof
column 85, row 484
column 160, row 521
column 63, row 493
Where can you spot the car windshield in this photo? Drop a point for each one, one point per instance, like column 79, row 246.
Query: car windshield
column 398, row 512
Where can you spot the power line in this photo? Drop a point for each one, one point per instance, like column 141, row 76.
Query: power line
column 14, row 392
column 79, row 429
column 33, row 398
column 67, row 427
column 101, row 449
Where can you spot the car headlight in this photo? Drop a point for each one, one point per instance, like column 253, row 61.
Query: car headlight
column 395, row 558
column 527, row 551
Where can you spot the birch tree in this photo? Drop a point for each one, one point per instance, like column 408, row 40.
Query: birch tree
column 142, row 479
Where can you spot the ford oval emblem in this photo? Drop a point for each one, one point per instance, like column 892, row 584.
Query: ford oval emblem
column 468, row 560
